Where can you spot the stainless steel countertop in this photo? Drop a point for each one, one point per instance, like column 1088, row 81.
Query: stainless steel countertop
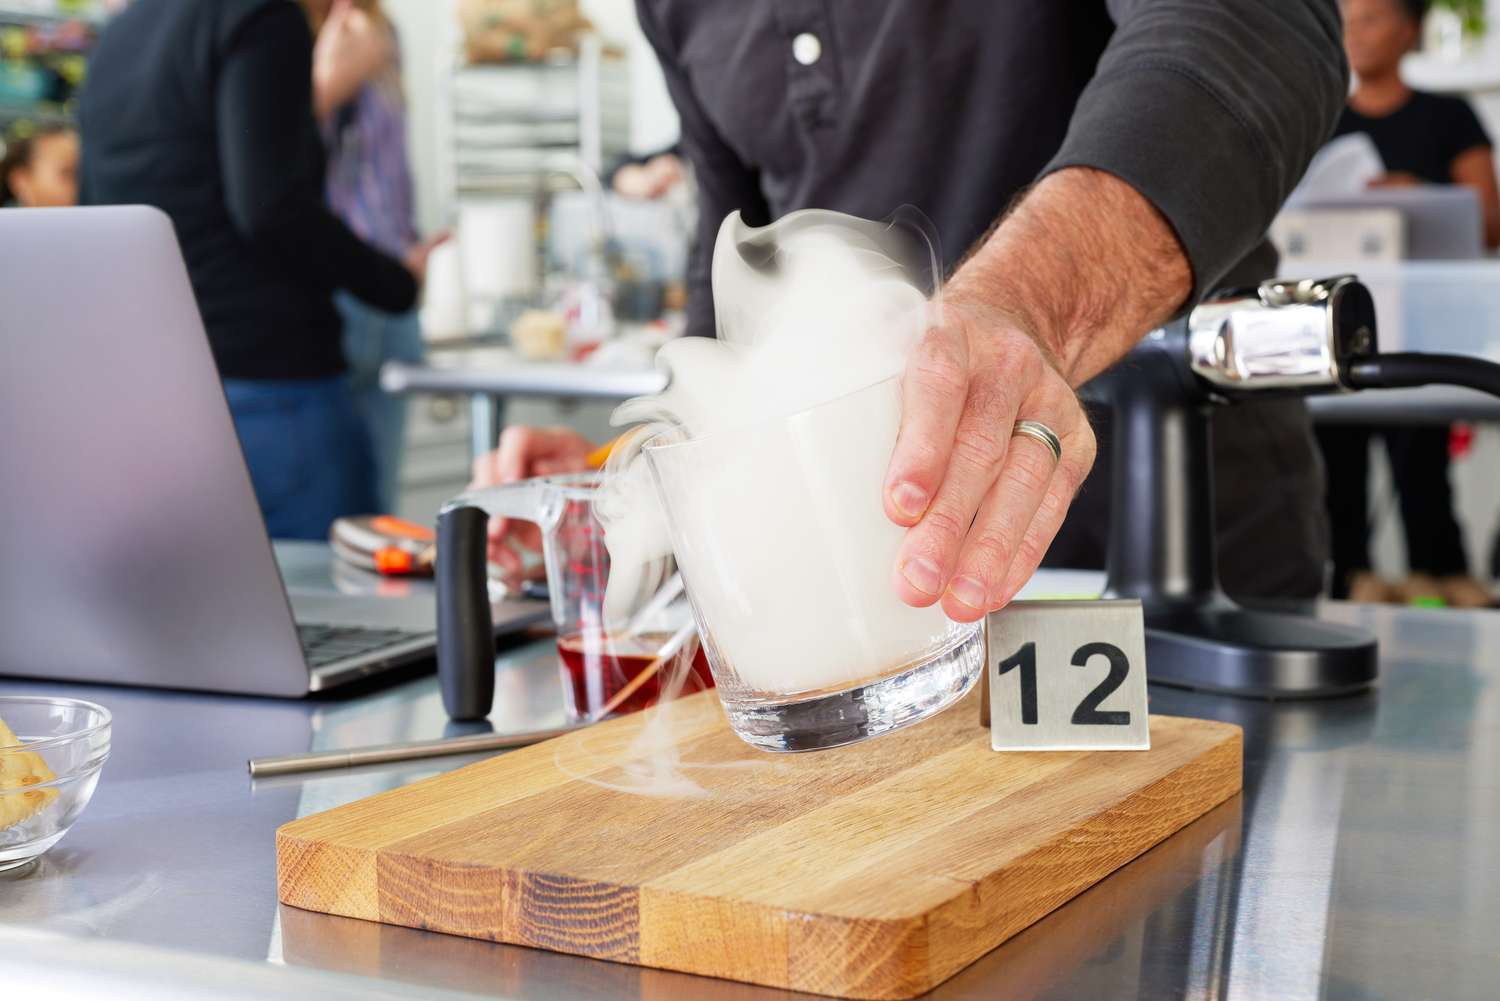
column 1362, row 860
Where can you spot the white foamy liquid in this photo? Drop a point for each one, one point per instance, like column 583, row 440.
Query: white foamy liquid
column 781, row 532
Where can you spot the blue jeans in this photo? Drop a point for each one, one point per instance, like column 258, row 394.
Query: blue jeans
column 371, row 338
column 308, row 452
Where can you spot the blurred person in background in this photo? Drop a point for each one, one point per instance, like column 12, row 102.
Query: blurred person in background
column 648, row 177
column 1423, row 139
column 205, row 110
column 40, row 168
column 361, row 110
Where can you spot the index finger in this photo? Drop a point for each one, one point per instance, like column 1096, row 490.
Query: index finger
column 933, row 391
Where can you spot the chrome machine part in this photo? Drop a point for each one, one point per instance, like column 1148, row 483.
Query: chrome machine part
column 1283, row 338
column 1294, row 336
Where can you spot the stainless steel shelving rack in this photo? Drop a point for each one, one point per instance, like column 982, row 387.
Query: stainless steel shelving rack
column 516, row 129
column 527, row 131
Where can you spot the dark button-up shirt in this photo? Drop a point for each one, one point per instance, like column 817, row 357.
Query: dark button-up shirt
column 1209, row 108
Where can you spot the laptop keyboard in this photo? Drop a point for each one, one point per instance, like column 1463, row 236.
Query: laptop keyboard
column 326, row 644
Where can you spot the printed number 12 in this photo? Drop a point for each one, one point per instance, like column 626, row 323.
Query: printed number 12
column 1088, row 712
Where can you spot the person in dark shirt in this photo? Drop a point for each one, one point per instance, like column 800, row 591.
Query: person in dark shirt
column 204, row 110
column 1423, row 139
column 1150, row 143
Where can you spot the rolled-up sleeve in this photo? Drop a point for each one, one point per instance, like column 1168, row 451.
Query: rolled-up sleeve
column 1212, row 109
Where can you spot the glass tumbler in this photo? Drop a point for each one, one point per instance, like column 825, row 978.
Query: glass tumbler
column 787, row 556
column 597, row 656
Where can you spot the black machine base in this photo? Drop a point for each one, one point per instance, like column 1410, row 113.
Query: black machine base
column 1162, row 551
column 1222, row 647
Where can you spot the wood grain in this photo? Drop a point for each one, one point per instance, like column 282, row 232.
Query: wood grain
column 871, row 871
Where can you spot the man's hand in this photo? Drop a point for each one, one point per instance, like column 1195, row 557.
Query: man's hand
column 525, row 452
column 650, row 180
column 418, row 253
column 1396, row 179
column 983, row 506
column 1065, row 285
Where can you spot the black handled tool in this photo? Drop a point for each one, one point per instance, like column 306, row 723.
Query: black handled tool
column 466, row 635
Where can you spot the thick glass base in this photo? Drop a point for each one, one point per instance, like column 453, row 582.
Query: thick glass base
column 866, row 710
column 12, row 857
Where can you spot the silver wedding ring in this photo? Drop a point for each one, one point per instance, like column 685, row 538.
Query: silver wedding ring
column 1040, row 432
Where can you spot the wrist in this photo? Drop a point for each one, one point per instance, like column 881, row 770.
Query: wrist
column 1084, row 265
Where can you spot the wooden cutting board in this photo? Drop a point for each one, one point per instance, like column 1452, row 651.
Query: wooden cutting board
column 876, row 870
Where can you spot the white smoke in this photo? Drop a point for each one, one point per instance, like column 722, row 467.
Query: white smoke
column 809, row 309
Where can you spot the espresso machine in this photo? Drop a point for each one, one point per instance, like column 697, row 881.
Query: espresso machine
column 1282, row 338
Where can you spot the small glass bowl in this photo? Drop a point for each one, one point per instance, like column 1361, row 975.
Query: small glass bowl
column 71, row 737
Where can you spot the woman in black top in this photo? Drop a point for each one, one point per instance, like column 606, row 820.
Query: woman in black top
column 1423, row 139
column 204, row 110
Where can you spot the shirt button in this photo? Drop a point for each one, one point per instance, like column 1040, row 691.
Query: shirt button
column 806, row 48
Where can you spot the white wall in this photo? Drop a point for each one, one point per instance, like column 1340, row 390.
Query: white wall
column 653, row 120
column 1476, row 75
column 426, row 37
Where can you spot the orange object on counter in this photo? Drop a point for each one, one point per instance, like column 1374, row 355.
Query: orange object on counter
column 392, row 547
column 391, row 560
column 391, row 525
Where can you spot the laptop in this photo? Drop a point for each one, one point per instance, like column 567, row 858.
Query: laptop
column 135, row 552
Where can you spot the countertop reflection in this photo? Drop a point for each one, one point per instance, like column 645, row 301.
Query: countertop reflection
column 1360, row 862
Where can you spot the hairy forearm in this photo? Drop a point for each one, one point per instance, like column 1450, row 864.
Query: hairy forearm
column 1085, row 264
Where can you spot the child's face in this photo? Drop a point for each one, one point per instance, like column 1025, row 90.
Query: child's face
column 50, row 179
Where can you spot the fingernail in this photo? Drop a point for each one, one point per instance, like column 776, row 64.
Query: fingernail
column 910, row 499
column 923, row 575
column 969, row 591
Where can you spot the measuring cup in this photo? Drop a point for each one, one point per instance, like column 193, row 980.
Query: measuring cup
column 782, row 540
column 577, row 565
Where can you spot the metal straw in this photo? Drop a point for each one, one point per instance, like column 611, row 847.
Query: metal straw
column 384, row 754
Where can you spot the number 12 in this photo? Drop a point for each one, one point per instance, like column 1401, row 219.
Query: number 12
column 1088, row 712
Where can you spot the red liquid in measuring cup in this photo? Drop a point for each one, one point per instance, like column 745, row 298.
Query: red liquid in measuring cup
column 595, row 667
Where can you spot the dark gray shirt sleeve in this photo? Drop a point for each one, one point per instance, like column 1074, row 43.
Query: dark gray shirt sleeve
column 1212, row 110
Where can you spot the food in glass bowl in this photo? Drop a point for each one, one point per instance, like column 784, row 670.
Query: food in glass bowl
column 51, row 753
